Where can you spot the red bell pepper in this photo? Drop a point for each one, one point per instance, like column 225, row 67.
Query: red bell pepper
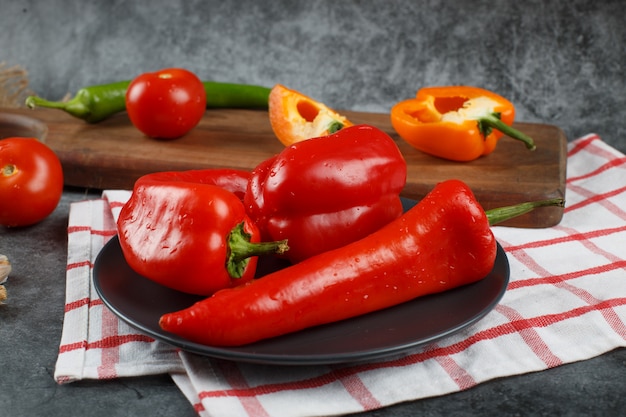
column 233, row 180
column 444, row 242
column 185, row 231
column 326, row 192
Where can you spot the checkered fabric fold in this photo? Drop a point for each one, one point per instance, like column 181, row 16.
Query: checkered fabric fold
column 566, row 302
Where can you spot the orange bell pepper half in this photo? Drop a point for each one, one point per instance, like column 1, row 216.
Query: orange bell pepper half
column 459, row 123
column 295, row 117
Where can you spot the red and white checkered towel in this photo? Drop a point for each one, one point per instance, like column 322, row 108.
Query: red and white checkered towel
column 566, row 302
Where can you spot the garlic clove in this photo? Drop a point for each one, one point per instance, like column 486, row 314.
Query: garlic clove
column 5, row 268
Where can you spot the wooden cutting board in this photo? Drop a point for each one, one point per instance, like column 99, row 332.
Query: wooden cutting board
column 113, row 154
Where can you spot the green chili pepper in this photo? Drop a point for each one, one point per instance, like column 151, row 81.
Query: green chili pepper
column 96, row 103
column 235, row 96
column 92, row 104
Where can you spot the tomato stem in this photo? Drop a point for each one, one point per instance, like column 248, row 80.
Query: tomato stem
column 9, row 169
column 240, row 249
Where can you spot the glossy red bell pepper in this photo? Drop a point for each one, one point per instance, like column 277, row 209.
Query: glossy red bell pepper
column 444, row 242
column 326, row 192
column 233, row 180
column 189, row 231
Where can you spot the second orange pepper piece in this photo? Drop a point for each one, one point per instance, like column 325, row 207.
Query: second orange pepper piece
column 459, row 123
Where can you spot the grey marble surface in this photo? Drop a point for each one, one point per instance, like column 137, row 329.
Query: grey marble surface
column 560, row 62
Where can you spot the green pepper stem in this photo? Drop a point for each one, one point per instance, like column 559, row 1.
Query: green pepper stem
column 501, row 214
column 34, row 101
column 91, row 104
column 335, row 126
column 493, row 121
column 75, row 106
column 240, row 249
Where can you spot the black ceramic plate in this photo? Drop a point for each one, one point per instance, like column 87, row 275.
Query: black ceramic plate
column 141, row 302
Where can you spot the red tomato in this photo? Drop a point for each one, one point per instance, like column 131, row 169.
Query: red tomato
column 31, row 181
column 166, row 104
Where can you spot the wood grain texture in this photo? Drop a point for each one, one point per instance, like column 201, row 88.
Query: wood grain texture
column 113, row 154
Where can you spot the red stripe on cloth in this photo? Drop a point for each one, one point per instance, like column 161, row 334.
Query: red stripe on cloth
column 64, row 379
column 615, row 262
column 459, row 375
column 530, row 336
column 246, row 391
column 488, row 334
column 74, row 229
column 582, row 143
column 97, row 232
column 511, row 327
column 80, row 303
column 584, row 239
column 78, row 265
column 116, row 204
column 572, row 236
column 76, row 304
column 550, row 319
column 119, row 340
column 613, row 163
column 106, row 343
column 595, row 147
column 108, row 220
column 110, row 354
column 555, row 279
column 354, row 385
column 530, row 263
column 105, row 233
column 601, row 199
column 332, row 376
column 198, row 407
column 73, row 346
column 609, row 316
column 234, row 377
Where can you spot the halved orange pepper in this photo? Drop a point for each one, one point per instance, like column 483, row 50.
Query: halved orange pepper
column 459, row 123
column 296, row 117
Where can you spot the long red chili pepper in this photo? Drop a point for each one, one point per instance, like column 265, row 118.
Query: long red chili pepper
column 189, row 231
column 444, row 242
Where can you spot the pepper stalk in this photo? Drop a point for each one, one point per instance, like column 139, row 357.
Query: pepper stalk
column 501, row 214
column 240, row 249
column 490, row 121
